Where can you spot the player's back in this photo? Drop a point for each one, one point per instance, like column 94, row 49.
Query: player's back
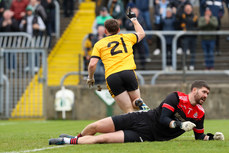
column 116, row 52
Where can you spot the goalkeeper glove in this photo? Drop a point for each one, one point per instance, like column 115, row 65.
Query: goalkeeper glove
column 218, row 136
column 90, row 82
column 187, row 126
column 131, row 15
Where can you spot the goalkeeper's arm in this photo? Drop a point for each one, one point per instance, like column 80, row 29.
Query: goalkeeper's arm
column 209, row 136
column 138, row 28
column 167, row 121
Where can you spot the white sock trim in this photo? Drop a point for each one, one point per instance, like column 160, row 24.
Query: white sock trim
column 67, row 140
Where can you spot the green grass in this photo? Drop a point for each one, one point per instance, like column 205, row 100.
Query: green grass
column 19, row 136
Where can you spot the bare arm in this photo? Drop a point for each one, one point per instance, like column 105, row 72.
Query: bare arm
column 139, row 30
column 92, row 67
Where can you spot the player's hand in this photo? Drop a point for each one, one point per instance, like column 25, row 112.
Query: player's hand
column 131, row 15
column 218, row 136
column 187, row 126
column 90, row 82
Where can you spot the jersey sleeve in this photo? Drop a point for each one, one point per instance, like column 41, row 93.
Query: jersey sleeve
column 168, row 107
column 199, row 129
column 171, row 101
column 133, row 37
column 95, row 51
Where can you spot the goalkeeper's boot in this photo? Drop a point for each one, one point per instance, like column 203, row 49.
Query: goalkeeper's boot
column 141, row 105
column 66, row 136
column 56, row 141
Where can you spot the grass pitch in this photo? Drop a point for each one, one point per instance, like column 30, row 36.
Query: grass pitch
column 32, row 136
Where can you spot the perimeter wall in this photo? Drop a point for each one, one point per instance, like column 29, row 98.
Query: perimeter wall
column 88, row 106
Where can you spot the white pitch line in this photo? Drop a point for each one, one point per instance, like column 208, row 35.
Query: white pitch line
column 3, row 124
column 41, row 149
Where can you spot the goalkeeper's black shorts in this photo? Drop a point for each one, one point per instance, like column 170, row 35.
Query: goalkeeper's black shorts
column 122, row 81
column 137, row 126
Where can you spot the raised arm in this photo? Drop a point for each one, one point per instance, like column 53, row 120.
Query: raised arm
column 138, row 28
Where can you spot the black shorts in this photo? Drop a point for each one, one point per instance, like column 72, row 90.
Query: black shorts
column 122, row 81
column 137, row 126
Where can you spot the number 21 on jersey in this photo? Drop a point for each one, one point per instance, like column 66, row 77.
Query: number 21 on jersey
column 113, row 49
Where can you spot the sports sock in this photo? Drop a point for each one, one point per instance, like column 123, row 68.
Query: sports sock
column 74, row 141
column 67, row 140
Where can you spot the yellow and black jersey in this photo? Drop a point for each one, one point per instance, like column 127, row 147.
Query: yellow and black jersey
column 116, row 52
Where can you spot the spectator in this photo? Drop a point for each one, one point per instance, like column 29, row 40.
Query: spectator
column 2, row 8
column 99, row 72
column 168, row 24
column 179, row 11
column 68, row 6
column 7, row 4
column 116, row 10
column 49, row 7
column 103, row 16
column 38, row 9
column 159, row 13
column 208, row 22
column 18, row 7
column 8, row 23
column 99, row 4
column 32, row 23
column 227, row 5
column 217, row 9
column 87, row 50
column 143, row 6
column 140, row 47
column 189, row 22
column 202, row 6
column 180, row 8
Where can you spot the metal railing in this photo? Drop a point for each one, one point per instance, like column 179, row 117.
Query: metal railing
column 23, row 40
column 85, row 73
column 176, row 34
column 57, row 19
column 21, row 58
column 18, row 68
column 160, row 34
column 182, row 33
column 156, row 75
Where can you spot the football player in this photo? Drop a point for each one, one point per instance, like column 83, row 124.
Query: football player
column 177, row 114
column 116, row 53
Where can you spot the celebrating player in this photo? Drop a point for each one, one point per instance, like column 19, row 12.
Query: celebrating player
column 178, row 113
column 116, row 53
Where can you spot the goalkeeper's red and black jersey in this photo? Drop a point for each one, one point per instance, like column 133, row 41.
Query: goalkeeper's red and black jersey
column 176, row 106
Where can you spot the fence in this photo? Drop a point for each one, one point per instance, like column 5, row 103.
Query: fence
column 57, row 19
column 17, row 72
column 177, row 34
column 22, row 57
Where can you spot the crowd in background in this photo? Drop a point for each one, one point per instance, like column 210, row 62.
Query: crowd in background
column 168, row 15
column 36, row 17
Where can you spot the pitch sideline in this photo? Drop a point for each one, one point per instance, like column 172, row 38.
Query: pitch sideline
column 41, row 149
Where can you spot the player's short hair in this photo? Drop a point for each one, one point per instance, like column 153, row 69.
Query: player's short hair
column 199, row 84
column 112, row 26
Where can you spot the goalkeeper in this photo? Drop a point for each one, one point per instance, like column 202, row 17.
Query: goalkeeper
column 177, row 114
